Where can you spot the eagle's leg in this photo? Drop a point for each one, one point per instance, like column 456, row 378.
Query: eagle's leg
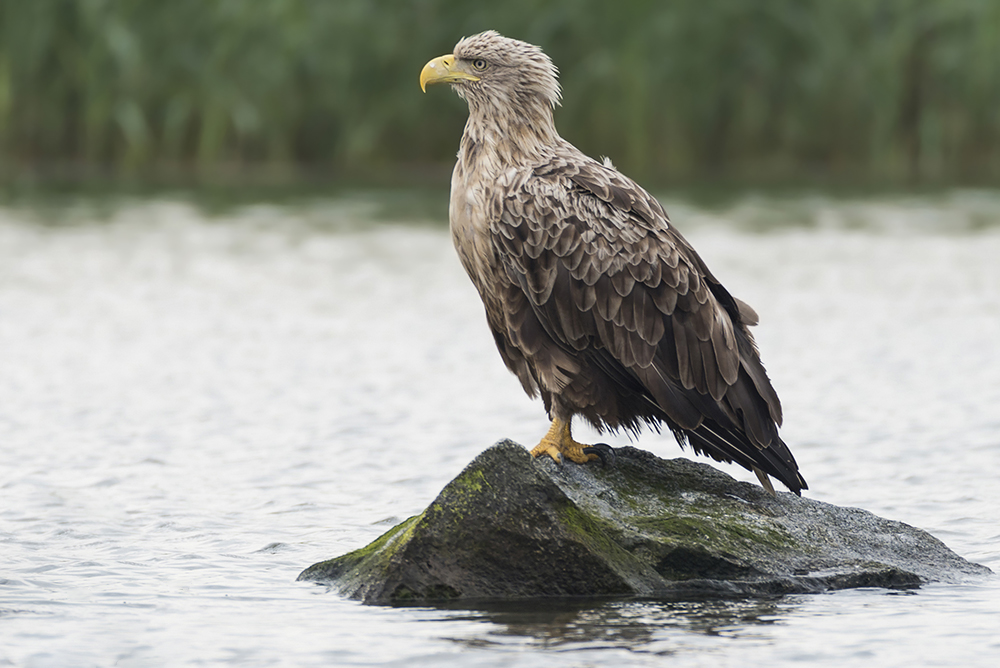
column 559, row 443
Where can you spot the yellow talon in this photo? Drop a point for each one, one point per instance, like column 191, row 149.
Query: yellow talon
column 558, row 443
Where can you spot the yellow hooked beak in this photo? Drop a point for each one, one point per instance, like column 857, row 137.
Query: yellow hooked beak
column 443, row 69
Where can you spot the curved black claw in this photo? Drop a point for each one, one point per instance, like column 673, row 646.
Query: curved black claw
column 604, row 451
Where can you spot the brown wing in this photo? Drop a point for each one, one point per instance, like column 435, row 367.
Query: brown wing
column 595, row 268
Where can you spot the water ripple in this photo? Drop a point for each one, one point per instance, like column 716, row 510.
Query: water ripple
column 192, row 410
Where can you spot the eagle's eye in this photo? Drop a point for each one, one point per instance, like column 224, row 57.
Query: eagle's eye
column 480, row 64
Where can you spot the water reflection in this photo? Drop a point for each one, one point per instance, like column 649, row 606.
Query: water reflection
column 633, row 625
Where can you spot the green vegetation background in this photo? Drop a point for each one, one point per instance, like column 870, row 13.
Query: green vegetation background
column 888, row 91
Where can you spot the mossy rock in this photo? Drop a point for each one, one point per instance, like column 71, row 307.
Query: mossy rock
column 510, row 527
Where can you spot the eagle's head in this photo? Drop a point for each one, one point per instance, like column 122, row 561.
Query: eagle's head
column 490, row 70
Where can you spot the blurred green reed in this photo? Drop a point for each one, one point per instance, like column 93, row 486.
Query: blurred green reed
column 859, row 90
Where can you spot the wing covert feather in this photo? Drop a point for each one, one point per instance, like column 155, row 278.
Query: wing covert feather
column 603, row 268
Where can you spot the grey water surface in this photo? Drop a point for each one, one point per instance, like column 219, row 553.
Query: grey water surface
column 194, row 408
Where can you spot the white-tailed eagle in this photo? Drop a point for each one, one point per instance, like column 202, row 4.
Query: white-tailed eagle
column 595, row 300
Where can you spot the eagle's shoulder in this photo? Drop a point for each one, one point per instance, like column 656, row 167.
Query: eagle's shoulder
column 597, row 223
column 569, row 181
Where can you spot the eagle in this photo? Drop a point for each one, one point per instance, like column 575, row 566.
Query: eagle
column 595, row 300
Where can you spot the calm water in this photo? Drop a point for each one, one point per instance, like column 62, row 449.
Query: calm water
column 193, row 409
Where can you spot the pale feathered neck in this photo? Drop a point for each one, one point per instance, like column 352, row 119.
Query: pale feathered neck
column 501, row 133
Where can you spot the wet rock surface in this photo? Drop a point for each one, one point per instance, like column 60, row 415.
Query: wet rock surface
column 510, row 527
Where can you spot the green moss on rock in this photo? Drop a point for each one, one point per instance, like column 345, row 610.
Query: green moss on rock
column 375, row 554
column 510, row 527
